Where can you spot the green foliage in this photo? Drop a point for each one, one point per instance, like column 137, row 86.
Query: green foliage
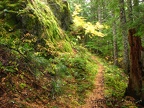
column 102, row 46
column 8, row 69
column 57, row 88
column 138, row 20
column 87, row 27
column 73, row 73
column 115, row 81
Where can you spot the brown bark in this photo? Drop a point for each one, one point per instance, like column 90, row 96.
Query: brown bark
column 135, row 78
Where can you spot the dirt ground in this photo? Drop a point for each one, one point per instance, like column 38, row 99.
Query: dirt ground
column 96, row 98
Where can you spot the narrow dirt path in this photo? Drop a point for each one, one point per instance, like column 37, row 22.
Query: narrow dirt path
column 96, row 98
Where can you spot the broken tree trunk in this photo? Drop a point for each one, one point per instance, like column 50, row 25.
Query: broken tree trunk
column 135, row 76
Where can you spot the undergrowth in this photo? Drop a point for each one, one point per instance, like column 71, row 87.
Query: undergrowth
column 115, row 84
column 63, row 81
column 38, row 65
column 73, row 77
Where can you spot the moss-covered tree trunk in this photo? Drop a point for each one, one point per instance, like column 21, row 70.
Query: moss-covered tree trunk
column 135, row 78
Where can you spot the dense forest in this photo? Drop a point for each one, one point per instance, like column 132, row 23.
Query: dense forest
column 71, row 53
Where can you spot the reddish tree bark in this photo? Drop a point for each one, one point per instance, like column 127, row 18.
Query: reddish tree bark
column 135, row 76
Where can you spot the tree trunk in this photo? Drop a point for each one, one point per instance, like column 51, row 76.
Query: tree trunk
column 129, row 8
column 135, row 78
column 115, row 49
column 125, row 38
column 136, row 84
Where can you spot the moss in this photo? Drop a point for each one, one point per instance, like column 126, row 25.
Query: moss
column 29, row 22
column 12, row 5
column 62, row 12
column 47, row 19
column 64, row 46
column 10, row 10
column 36, row 20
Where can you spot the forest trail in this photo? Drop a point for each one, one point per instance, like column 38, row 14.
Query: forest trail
column 96, row 98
